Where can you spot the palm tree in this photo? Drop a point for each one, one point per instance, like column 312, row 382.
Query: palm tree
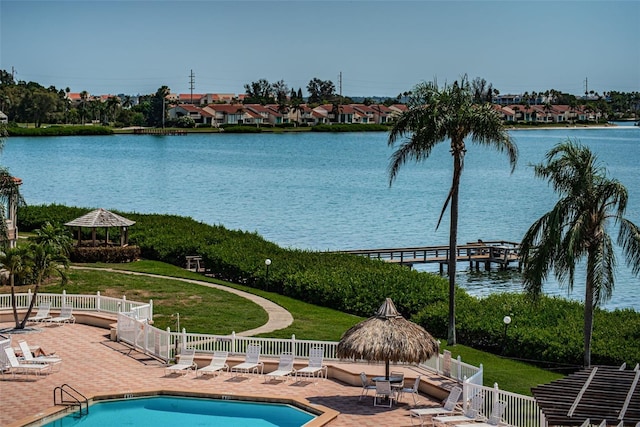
column 576, row 228
column 448, row 113
column 15, row 262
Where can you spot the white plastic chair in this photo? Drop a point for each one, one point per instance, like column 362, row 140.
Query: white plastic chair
column 184, row 364
column 217, row 366
column 15, row 367
column 450, row 407
column 366, row 385
column 66, row 316
column 472, row 413
column 285, row 367
column 413, row 390
column 384, row 391
column 494, row 420
column 251, row 364
column 315, row 366
column 42, row 314
column 53, row 361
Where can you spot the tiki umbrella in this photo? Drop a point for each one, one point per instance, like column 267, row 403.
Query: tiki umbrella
column 387, row 337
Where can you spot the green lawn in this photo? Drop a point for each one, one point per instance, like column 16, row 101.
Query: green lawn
column 207, row 310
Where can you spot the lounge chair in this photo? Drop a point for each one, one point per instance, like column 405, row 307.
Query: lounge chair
column 4, row 361
column 15, row 367
column 494, row 420
column 366, row 385
column 472, row 413
column 66, row 316
column 217, row 365
column 315, row 366
column 450, row 407
column 251, row 364
column 53, row 361
column 42, row 314
column 384, row 391
column 184, row 364
column 285, row 367
column 413, row 390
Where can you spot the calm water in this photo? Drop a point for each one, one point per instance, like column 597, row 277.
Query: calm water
column 180, row 411
column 321, row 191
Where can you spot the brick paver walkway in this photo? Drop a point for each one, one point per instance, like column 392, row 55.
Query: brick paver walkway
column 93, row 365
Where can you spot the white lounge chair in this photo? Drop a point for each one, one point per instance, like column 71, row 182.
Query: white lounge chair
column 4, row 361
column 285, row 367
column 185, row 363
column 450, row 407
column 413, row 390
column 472, row 413
column 366, row 385
column 315, row 366
column 15, row 367
column 53, row 361
column 217, row 365
column 65, row 316
column 251, row 364
column 384, row 391
column 494, row 420
column 42, row 314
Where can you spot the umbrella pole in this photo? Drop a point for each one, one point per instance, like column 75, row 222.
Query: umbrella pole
column 386, row 369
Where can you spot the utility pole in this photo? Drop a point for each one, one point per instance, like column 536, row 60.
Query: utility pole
column 340, row 84
column 586, row 87
column 191, row 84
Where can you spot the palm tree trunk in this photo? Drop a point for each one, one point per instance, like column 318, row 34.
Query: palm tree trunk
column 453, row 248
column 588, row 308
column 13, row 301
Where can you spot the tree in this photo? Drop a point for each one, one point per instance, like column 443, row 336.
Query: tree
column 157, row 107
column 575, row 229
column 14, row 261
column 260, row 92
column 320, row 90
column 436, row 115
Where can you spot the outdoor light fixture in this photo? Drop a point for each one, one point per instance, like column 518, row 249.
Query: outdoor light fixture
column 267, row 262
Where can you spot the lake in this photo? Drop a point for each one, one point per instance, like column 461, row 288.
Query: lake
column 323, row 191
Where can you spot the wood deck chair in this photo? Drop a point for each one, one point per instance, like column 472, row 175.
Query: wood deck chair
column 16, row 367
column 314, row 366
column 42, row 314
column 52, row 361
column 251, row 364
column 450, row 407
column 285, row 368
column 217, row 366
column 184, row 364
column 65, row 316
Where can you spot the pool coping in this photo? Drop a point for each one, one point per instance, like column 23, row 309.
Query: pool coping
column 323, row 414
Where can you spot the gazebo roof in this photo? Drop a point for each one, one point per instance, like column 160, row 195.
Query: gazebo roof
column 597, row 393
column 100, row 218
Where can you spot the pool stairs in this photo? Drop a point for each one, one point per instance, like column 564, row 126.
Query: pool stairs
column 69, row 396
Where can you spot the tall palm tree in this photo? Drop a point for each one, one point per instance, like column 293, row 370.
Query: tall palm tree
column 436, row 115
column 15, row 262
column 577, row 229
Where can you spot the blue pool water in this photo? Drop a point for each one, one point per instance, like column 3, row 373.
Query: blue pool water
column 181, row 411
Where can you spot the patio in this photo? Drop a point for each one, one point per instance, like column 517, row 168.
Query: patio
column 93, row 364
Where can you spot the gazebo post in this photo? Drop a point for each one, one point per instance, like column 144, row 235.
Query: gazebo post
column 106, row 236
column 93, row 236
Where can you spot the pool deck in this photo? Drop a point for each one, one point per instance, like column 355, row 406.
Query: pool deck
column 94, row 365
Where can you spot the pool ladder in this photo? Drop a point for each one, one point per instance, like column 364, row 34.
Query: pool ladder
column 71, row 397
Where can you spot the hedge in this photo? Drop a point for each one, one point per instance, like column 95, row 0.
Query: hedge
column 548, row 331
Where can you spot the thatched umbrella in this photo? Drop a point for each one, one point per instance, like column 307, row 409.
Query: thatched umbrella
column 387, row 337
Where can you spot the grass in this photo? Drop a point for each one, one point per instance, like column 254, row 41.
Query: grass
column 208, row 310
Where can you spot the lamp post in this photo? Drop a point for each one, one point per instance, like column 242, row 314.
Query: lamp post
column 267, row 263
column 507, row 322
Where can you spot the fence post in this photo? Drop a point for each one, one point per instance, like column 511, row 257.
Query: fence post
column 98, row 305
column 124, row 303
column 169, row 343
column 64, row 298
column 496, row 390
column 150, row 315
column 184, row 339
column 29, row 297
column 293, row 345
column 459, row 368
column 233, row 342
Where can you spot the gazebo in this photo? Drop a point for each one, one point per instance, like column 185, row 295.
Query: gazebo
column 595, row 394
column 102, row 218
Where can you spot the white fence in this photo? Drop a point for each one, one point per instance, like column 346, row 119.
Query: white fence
column 520, row 411
column 95, row 303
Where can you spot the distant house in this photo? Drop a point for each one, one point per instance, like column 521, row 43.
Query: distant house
column 199, row 115
column 3, row 118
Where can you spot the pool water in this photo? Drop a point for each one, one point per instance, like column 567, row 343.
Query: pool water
column 181, row 411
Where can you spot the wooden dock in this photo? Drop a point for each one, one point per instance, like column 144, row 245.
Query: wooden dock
column 159, row 131
column 501, row 253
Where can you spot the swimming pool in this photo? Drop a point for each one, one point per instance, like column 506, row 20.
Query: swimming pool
column 174, row 411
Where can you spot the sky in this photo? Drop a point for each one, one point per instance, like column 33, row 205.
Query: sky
column 365, row 47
